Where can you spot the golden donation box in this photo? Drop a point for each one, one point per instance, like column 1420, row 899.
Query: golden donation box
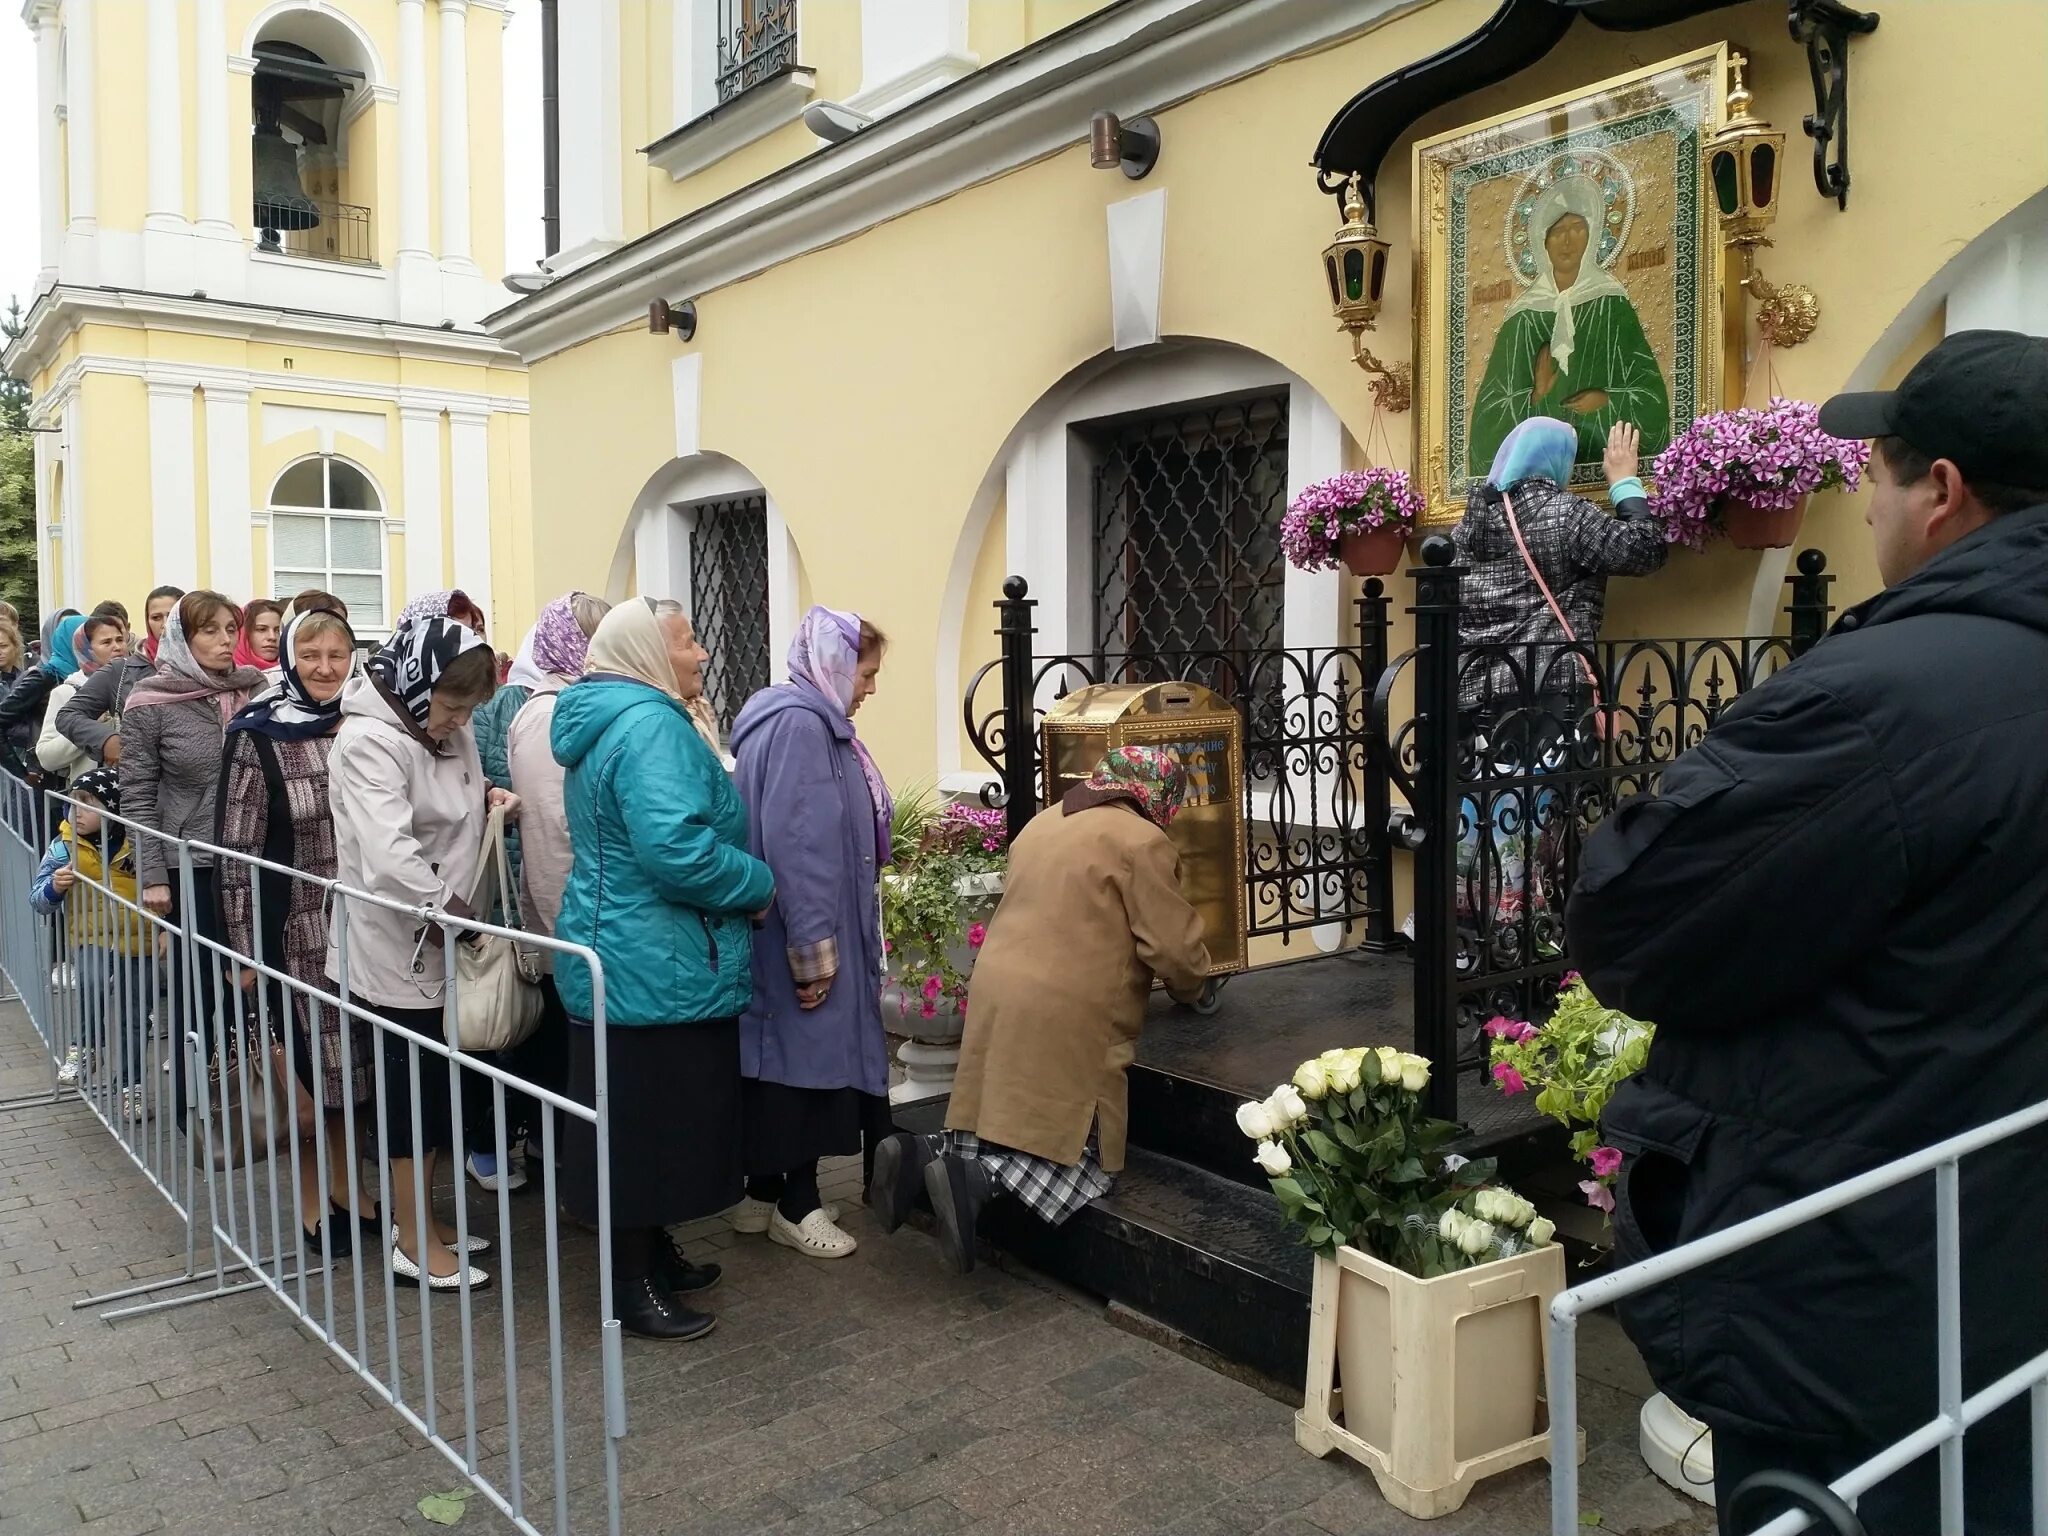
column 1206, row 730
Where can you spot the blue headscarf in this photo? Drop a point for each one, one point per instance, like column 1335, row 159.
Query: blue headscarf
column 60, row 657
column 1541, row 448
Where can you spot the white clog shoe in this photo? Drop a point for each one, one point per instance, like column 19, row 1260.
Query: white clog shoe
column 815, row 1235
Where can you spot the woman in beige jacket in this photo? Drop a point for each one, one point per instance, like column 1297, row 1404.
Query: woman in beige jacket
column 1092, row 912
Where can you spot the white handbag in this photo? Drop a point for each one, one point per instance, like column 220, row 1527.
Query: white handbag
column 497, row 999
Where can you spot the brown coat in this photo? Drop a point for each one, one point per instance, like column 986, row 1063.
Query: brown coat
column 1091, row 912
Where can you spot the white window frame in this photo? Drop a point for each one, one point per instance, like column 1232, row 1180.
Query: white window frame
column 328, row 514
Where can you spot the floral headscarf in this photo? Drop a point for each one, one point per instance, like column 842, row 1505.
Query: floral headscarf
column 454, row 604
column 558, row 644
column 289, row 712
column 179, row 677
column 1154, row 777
column 825, row 657
column 414, row 658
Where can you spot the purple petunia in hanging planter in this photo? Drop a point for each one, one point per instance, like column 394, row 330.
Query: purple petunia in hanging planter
column 1357, row 501
column 1770, row 459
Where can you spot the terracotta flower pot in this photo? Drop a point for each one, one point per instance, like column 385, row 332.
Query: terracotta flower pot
column 1375, row 552
column 1761, row 527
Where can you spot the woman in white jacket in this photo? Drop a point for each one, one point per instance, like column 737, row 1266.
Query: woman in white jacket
column 410, row 802
column 101, row 640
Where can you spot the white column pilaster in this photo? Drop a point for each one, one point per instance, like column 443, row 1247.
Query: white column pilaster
column 469, row 477
column 46, row 453
column 49, row 146
column 454, row 106
column 231, row 549
column 783, row 580
column 593, row 188
column 908, row 49
column 419, row 279
column 210, row 95
column 173, row 499
column 167, row 264
column 661, row 553
column 419, row 441
column 72, row 514
column 80, row 261
column 1311, row 607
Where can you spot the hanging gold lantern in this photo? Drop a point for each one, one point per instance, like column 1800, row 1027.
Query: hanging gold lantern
column 1355, row 267
column 1745, row 159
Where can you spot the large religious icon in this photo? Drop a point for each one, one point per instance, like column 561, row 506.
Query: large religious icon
column 1567, row 267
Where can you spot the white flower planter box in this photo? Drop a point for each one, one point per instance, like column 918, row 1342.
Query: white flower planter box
column 1443, row 1380
column 930, row 1056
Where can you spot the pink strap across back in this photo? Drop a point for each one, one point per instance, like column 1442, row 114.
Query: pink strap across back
column 1557, row 613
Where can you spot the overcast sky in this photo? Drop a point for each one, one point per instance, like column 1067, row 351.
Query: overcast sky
column 19, row 157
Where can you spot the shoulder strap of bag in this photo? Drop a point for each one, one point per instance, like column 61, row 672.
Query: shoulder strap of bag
column 495, row 861
column 1557, row 613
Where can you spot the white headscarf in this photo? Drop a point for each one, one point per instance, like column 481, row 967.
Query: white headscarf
column 629, row 643
column 1567, row 195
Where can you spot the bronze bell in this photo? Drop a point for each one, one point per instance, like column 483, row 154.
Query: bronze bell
column 281, row 201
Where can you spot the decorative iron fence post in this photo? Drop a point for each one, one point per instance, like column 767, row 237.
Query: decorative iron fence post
column 1437, row 603
column 1020, row 736
column 1374, row 806
column 1809, row 608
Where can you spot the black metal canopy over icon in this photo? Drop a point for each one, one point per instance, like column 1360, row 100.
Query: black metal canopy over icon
column 1521, row 32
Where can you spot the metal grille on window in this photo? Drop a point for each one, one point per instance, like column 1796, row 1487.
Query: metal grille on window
column 1188, row 567
column 756, row 42
column 729, row 600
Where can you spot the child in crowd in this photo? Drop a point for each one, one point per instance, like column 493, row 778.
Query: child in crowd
column 111, row 939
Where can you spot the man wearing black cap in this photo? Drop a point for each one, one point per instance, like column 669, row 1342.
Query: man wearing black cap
column 1836, row 912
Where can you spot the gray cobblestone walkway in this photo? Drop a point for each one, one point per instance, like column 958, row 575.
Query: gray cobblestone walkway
column 874, row 1395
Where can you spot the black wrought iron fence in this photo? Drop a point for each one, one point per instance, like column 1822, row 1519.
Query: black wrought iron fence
column 316, row 229
column 1315, row 804
column 756, row 42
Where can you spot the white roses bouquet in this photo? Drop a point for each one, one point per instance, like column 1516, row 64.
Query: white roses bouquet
column 1354, row 1160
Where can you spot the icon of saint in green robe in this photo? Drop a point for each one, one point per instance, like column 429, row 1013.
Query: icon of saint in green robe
column 1571, row 346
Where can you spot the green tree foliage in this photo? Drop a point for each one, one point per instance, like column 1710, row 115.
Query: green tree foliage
column 17, row 488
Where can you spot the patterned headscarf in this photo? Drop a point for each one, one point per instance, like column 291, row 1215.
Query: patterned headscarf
column 559, row 645
column 453, row 604
column 1541, row 448
column 289, row 712
column 825, row 657
column 81, row 645
column 419, row 651
column 60, row 655
column 1152, row 776
column 179, row 676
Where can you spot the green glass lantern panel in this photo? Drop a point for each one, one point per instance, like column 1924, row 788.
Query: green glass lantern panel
column 1727, row 188
column 1354, row 275
column 1379, row 274
column 1763, row 175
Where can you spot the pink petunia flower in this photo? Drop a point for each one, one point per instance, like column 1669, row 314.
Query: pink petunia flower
column 977, row 936
column 1508, row 1079
column 1568, row 978
column 932, row 988
column 1605, row 1161
column 1598, row 1195
column 1497, row 1026
column 928, row 1011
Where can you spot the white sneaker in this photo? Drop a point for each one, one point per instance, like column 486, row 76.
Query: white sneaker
column 751, row 1216
column 408, row 1273
column 483, row 1167
column 133, row 1105
column 63, row 976
column 815, row 1235
column 67, row 1074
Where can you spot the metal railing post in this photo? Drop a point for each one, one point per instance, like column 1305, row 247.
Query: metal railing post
column 1375, row 801
column 1437, row 582
column 1809, row 608
column 1020, row 736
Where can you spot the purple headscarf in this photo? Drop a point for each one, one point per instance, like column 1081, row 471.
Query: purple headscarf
column 558, row 642
column 825, row 656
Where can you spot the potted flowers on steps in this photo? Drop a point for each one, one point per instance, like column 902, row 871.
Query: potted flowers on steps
column 1573, row 1064
column 1427, row 1345
column 938, row 893
column 1749, row 473
column 1362, row 517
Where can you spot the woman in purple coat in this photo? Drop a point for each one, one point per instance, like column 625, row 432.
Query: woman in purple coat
column 814, row 1060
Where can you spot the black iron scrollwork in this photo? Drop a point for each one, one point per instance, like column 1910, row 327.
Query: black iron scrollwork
column 1823, row 28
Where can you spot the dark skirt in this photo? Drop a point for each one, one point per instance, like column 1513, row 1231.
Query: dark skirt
column 789, row 1128
column 674, row 1105
column 437, row 1117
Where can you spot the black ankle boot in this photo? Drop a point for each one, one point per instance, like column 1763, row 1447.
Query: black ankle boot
column 898, row 1177
column 677, row 1273
column 647, row 1308
column 959, row 1189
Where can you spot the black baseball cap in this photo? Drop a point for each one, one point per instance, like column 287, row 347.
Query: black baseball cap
column 1978, row 399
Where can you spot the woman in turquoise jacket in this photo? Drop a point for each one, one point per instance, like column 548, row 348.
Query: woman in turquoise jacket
column 662, row 887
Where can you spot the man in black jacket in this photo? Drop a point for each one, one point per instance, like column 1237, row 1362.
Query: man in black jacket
column 1835, row 910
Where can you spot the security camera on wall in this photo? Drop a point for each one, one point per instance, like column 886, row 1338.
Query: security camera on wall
column 834, row 123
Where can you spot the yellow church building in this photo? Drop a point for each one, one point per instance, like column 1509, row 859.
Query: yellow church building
column 268, row 234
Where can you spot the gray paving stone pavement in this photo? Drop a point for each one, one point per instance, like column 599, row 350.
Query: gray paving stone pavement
column 875, row 1395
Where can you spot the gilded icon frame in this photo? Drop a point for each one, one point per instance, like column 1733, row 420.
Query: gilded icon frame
column 1609, row 135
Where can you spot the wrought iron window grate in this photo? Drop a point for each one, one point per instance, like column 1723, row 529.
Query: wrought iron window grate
column 756, row 42
column 729, row 600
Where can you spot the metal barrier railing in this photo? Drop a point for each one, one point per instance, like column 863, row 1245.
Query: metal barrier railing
column 194, row 1056
column 1954, row 1414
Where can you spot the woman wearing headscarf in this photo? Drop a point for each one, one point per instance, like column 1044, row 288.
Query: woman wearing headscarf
column 1092, row 913
column 99, row 643
column 21, row 711
column 262, row 627
column 662, row 888
column 550, row 658
column 452, row 604
column 171, row 736
column 1571, row 345
column 812, row 1049
column 273, row 805
column 410, row 803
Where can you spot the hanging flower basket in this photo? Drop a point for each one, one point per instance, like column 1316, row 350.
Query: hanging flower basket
column 1362, row 517
column 1747, row 474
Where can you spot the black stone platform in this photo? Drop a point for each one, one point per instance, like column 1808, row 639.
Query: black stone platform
column 1191, row 1237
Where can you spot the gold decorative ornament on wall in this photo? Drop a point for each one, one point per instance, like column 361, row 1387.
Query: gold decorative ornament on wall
column 1355, row 265
column 1745, row 165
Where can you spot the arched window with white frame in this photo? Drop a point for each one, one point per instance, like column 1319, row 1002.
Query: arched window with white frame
column 327, row 531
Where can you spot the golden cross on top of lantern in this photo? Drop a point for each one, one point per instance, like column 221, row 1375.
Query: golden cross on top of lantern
column 1355, row 263
column 1744, row 158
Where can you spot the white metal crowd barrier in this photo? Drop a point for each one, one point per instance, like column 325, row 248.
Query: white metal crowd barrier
column 1954, row 1413
column 191, row 1054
